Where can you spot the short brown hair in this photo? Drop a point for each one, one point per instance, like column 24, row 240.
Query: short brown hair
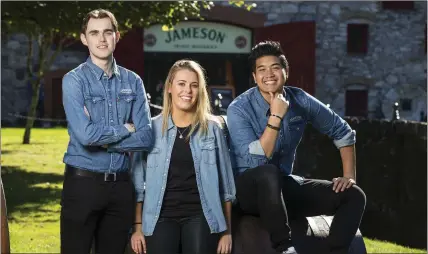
column 99, row 14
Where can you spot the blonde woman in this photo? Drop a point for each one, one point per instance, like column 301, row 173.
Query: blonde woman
column 185, row 191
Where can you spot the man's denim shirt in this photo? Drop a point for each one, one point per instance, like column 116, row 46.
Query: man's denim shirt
column 247, row 118
column 214, row 175
column 111, row 102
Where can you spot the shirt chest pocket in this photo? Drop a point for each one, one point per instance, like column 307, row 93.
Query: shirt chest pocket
column 153, row 158
column 96, row 107
column 208, row 150
column 125, row 103
column 295, row 130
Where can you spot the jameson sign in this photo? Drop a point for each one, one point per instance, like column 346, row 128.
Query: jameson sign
column 196, row 33
column 198, row 37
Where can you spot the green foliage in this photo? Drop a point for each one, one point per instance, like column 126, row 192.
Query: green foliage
column 65, row 18
column 243, row 4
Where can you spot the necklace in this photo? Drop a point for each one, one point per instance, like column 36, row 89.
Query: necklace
column 181, row 133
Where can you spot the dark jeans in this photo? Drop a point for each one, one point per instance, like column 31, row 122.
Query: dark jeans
column 193, row 234
column 93, row 209
column 259, row 193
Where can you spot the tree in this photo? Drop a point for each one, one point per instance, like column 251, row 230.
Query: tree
column 43, row 22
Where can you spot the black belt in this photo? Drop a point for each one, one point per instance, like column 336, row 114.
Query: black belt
column 106, row 177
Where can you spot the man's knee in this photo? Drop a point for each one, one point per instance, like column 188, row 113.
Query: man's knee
column 357, row 195
column 270, row 180
column 269, row 173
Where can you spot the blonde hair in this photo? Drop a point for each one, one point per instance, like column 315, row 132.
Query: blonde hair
column 203, row 106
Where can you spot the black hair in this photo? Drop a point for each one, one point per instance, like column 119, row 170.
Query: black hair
column 268, row 48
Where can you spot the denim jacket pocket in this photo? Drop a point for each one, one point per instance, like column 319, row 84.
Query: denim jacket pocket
column 295, row 130
column 125, row 102
column 296, row 126
column 208, row 150
column 96, row 107
column 153, row 157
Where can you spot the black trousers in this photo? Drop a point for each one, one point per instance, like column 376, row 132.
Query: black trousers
column 192, row 233
column 259, row 193
column 93, row 209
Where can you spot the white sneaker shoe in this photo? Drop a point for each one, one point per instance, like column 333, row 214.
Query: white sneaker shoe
column 290, row 250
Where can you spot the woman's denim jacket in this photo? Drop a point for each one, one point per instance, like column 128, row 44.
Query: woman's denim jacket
column 214, row 176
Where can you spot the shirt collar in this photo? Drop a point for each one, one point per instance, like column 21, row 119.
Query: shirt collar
column 98, row 71
column 170, row 122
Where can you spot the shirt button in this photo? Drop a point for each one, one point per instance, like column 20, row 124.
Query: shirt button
column 282, row 151
column 111, row 120
column 109, row 104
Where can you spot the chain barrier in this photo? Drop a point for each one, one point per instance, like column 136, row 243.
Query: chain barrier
column 60, row 120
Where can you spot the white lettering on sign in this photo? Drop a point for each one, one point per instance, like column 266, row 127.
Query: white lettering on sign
column 198, row 37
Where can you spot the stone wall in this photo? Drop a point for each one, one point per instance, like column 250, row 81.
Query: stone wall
column 394, row 67
column 16, row 92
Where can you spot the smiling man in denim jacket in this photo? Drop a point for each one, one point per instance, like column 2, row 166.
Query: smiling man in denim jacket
column 266, row 124
column 108, row 116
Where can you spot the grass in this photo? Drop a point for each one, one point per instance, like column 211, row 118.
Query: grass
column 376, row 246
column 32, row 176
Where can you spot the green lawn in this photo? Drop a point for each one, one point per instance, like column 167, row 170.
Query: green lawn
column 32, row 177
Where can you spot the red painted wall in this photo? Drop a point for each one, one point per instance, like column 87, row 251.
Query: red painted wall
column 129, row 51
column 298, row 44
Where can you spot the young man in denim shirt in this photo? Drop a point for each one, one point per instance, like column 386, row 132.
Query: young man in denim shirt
column 108, row 116
column 266, row 124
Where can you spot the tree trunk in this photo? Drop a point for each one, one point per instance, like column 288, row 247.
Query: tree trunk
column 45, row 61
column 32, row 112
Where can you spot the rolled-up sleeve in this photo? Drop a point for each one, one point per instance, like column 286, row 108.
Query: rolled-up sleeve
column 328, row 122
column 347, row 140
column 138, row 172
column 256, row 148
column 244, row 142
column 227, row 182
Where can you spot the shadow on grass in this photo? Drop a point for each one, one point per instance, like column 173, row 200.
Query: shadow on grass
column 23, row 197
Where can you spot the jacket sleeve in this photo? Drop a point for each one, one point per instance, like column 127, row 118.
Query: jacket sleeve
column 227, row 182
column 86, row 132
